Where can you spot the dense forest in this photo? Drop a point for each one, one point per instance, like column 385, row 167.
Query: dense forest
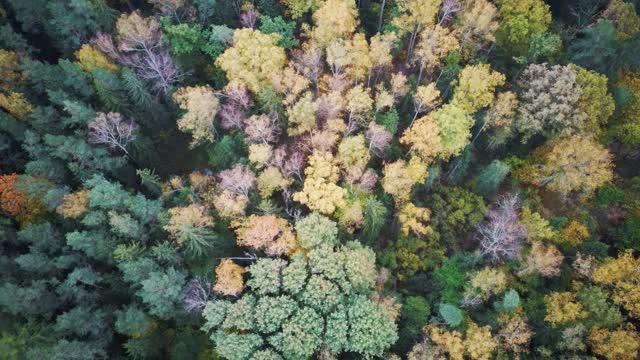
column 319, row 179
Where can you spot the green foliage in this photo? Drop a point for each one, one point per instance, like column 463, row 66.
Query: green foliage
column 281, row 27
column 389, row 120
column 491, row 176
column 316, row 230
column 162, row 292
column 595, row 48
column 375, row 217
column 601, row 313
column 415, row 314
column 455, row 212
column 451, row 314
column 510, row 301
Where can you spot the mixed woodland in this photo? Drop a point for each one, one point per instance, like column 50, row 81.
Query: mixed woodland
column 319, row 179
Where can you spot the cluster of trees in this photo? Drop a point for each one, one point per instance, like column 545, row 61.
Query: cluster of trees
column 294, row 179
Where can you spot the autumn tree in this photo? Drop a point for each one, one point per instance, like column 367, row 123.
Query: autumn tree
column 576, row 163
column 549, row 102
column 423, row 139
column 400, row 176
column 253, row 59
column 544, row 260
column 266, row 233
column 476, row 87
column 201, row 105
column 320, row 191
column 90, row 58
column 229, row 278
column 334, row 19
column 620, row 344
column 622, row 274
column 520, row 20
column 191, row 226
column 562, row 308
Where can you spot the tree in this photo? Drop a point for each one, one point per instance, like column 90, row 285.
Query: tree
column 140, row 46
column 74, row 205
column 400, row 176
column 596, row 48
column 594, row 99
column 491, row 176
column 378, row 137
column 515, row 333
column 479, row 21
column 423, row 139
column 201, row 105
column 297, row 8
column 620, row 344
column 278, row 25
column 520, row 21
column 112, row 130
column 266, row 233
column 544, row 260
column 191, row 226
column 229, row 280
column 415, row 15
column 320, row 192
column 577, row 164
column 334, row 19
column 549, row 102
column 286, row 309
column 435, row 43
column 315, row 230
column 90, row 58
column 162, row 292
column 624, row 17
column 620, row 273
column 455, row 129
column 476, row 87
column 302, row 115
column 253, row 59
column 562, row 308
column 479, row 343
column 500, row 238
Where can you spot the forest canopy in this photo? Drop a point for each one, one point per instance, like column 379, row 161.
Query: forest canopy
column 319, row 179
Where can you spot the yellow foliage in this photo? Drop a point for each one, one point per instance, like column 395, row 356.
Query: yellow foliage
column 335, row 19
column 270, row 180
column 291, row 84
column 545, row 260
column 434, row 44
column 577, row 163
column 620, row 344
column 515, row 333
column 201, row 105
column 229, row 278
column 574, row 233
column 353, row 155
column 414, row 219
column 90, row 58
column 538, row 228
column 476, row 87
column 74, row 205
column 10, row 76
column 380, row 49
column 503, row 110
column 488, row 282
column 423, row 139
column 320, row 191
column 267, row 233
column 253, row 59
column 16, row 104
column 399, row 86
column 623, row 274
column 302, row 115
column 400, row 176
column 451, row 341
column 352, row 217
column 562, row 308
column 359, row 104
column 479, row 343
column 361, row 63
column 229, row 205
column 414, row 13
column 184, row 217
column 260, row 154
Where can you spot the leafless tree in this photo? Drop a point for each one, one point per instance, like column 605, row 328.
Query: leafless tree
column 113, row 130
column 448, row 10
column 501, row 235
column 308, row 62
column 378, row 137
column 196, row 295
column 141, row 47
column 239, row 180
column 249, row 18
column 262, row 128
column 368, row 181
column 231, row 116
